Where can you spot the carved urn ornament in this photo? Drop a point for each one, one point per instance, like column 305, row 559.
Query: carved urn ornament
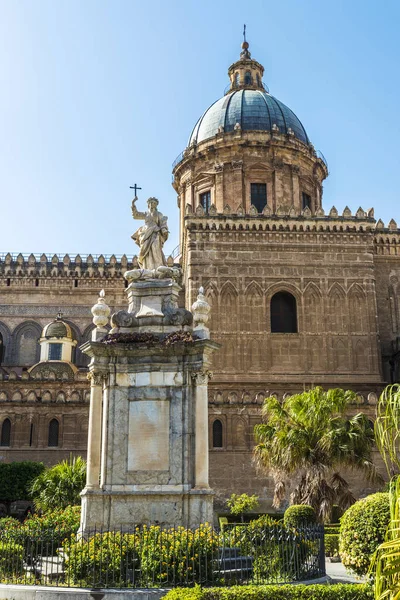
column 101, row 311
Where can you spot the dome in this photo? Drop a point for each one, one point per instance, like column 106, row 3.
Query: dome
column 57, row 329
column 254, row 110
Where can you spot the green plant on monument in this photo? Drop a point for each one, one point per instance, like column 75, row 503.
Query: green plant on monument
column 60, row 486
column 309, row 436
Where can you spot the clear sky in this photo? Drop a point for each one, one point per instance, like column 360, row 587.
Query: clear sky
column 99, row 94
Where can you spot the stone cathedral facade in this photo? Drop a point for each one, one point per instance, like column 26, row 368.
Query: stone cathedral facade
column 300, row 294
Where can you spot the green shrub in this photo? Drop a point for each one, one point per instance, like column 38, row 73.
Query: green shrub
column 275, row 592
column 11, row 559
column 16, row 479
column 331, row 544
column 299, row 515
column 332, row 528
column 278, row 552
column 41, row 534
column 362, row 529
column 155, row 556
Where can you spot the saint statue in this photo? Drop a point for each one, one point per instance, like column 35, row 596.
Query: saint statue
column 151, row 236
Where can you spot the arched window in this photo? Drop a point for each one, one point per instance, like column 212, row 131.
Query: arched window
column 1, row 348
column 247, row 78
column 283, row 313
column 6, row 433
column 53, row 433
column 236, row 81
column 217, row 439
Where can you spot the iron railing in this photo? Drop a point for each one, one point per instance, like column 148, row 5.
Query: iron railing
column 149, row 557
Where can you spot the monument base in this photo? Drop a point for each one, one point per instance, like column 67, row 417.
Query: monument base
column 124, row 510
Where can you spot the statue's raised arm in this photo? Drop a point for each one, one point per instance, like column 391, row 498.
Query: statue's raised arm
column 151, row 236
column 136, row 214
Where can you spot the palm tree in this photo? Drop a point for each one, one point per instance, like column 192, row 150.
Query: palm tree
column 309, row 438
column 60, row 486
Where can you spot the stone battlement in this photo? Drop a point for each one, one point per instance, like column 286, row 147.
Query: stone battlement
column 91, row 265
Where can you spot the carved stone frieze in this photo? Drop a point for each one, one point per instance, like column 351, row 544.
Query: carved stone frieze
column 96, row 378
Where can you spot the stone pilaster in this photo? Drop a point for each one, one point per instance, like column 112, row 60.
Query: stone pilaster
column 200, row 379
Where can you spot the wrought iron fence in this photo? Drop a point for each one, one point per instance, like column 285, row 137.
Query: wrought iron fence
column 147, row 557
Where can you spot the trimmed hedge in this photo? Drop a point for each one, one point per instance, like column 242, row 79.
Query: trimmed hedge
column 332, row 528
column 362, row 530
column 339, row 591
column 16, row 478
column 299, row 515
column 331, row 544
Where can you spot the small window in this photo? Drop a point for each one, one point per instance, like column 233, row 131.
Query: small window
column 236, row 81
column 205, row 200
column 283, row 313
column 258, row 193
column 6, row 433
column 31, row 435
column 258, row 80
column 306, row 200
column 1, row 348
column 217, row 440
column 54, row 428
column 55, row 351
column 247, row 78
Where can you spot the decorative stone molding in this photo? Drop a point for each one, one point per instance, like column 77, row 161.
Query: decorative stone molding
column 237, row 165
column 96, row 378
column 201, row 377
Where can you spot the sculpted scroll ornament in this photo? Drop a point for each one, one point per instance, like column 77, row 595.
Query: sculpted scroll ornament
column 201, row 377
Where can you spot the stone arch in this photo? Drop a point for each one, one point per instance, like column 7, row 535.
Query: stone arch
column 60, row 397
column 217, row 438
column 228, row 306
column 211, row 294
column 31, row 396
column 53, row 433
column 340, row 356
column 47, row 396
column 357, row 309
column 25, row 339
column 337, row 308
column 3, row 397
column 253, row 354
column 5, row 344
column 312, row 305
column 239, row 429
column 283, row 311
column 253, row 309
column 75, row 396
column 5, row 435
column 315, row 355
column 17, row 396
column 360, row 356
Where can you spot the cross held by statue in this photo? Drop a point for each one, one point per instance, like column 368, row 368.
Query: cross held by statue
column 135, row 187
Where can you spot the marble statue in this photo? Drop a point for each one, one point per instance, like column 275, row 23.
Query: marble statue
column 151, row 236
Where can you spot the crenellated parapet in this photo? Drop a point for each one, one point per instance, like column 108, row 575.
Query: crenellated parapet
column 81, row 266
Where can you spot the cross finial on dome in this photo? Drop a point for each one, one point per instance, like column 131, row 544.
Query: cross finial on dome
column 245, row 45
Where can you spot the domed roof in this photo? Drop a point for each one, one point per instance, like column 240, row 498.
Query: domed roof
column 254, row 110
column 57, row 329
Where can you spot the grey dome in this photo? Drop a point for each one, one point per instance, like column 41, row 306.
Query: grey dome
column 254, row 110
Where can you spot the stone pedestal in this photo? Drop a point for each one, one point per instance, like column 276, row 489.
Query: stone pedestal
column 150, row 464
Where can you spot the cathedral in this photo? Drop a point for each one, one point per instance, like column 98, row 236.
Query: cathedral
column 300, row 294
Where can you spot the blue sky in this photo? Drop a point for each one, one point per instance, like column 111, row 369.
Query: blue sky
column 97, row 95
